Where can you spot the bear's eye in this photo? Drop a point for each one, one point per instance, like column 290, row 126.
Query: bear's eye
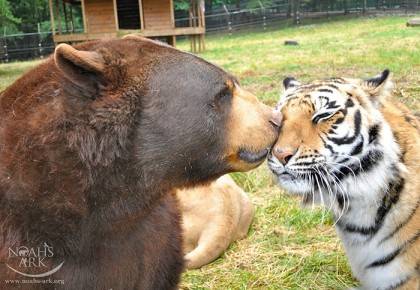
column 224, row 93
column 223, row 96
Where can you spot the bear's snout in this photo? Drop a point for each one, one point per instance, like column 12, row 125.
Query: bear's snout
column 253, row 130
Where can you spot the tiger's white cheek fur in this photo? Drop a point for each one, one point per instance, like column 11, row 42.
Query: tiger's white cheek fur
column 288, row 182
column 295, row 186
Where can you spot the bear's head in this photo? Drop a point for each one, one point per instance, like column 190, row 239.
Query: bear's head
column 189, row 121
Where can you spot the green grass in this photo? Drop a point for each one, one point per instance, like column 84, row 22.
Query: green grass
column 11, row 71
column 289, row 247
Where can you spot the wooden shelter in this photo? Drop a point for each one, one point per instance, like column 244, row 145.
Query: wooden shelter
column 115, row 18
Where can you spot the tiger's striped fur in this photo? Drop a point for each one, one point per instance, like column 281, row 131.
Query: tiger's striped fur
column 343, row 143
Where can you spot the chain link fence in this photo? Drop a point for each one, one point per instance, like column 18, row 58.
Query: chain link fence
column 225, row 18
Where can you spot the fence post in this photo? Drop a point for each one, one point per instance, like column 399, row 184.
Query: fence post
column 6, row 55
column 263, row 13
column 296, row 13
column 40, row 41
column 229, row 19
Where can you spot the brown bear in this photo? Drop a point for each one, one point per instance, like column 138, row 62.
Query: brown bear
column 92, row 143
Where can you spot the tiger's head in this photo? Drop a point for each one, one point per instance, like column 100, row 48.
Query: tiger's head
column 332, row 134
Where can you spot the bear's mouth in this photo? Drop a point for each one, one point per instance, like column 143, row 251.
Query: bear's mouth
column 252, row 156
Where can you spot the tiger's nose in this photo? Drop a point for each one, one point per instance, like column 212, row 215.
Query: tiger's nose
column 283, row 154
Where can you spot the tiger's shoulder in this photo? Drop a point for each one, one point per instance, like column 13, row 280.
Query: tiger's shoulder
column 406, row 129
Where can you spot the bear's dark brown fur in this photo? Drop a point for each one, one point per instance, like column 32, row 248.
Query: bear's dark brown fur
column 92, row 143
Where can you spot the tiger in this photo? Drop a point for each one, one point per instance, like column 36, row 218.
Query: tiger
column 347, row 144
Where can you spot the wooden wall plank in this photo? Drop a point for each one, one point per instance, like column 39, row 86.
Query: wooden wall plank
column 157, row 14
column 100, row 16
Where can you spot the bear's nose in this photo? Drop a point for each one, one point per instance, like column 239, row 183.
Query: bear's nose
column 276, row 117
column 283, row 154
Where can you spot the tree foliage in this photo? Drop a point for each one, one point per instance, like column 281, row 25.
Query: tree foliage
column 7, row 19
column 24, row 15
column 31, row 12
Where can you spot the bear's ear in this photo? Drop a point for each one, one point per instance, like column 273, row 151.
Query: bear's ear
column 378, row 87
column 84, row 68
column 290, row 82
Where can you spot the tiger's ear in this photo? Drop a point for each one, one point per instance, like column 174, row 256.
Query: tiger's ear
column 379, row 87
column 84, row 68
column 290, row 82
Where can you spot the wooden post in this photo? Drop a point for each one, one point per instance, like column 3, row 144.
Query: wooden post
column 117, row 25
column 172, row 40
column 192, row 13
column 52, row 16
column 71, row 18
column 196, row 19
column 65, row 15
column 196, row 13
column 203, row 23
column 199, row 18
column 57, row 10
column 203, row 40
column 190, row 21
column 203, row 13
column 173, row 37
column 142, row 24
column 172, row 13
column 200, row 43
column 197, row 23
column 85, row 23
column 194, row 42
column 191, row 47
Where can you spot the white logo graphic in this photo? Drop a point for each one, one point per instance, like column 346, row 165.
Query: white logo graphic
column 33, row 258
